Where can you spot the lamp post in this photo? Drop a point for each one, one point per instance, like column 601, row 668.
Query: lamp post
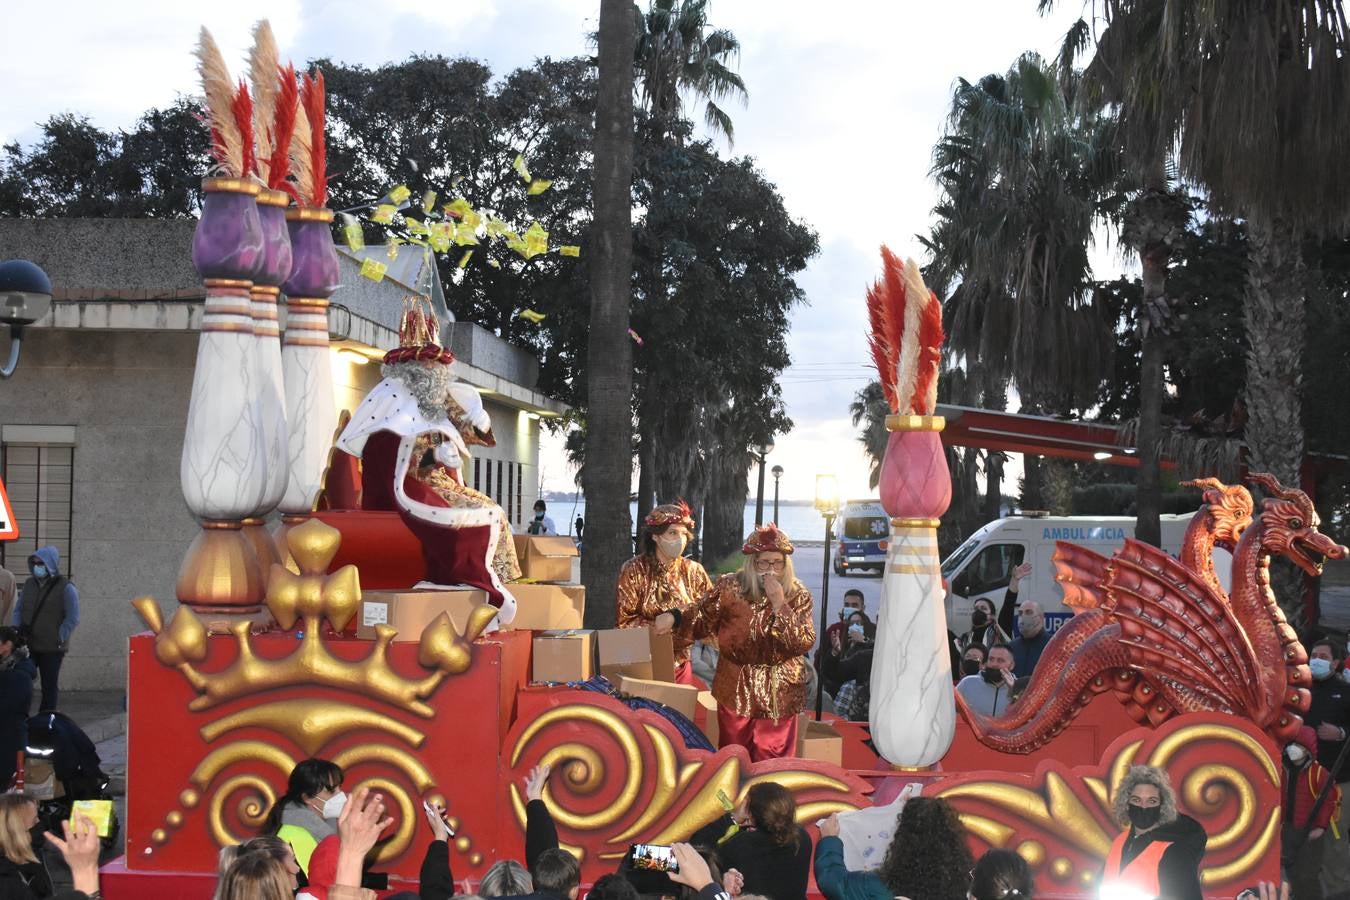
column 827, row 504
column 761, row 452
column 777, row 473
column 25, row 297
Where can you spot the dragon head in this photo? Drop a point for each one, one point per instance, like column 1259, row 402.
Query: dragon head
column 1228, row 508
column 1289, row 526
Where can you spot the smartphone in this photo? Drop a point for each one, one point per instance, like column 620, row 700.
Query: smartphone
column 654, row 858
column 1250, row 893
column 433, row 811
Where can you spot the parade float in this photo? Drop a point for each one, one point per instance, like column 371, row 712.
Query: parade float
column 267, row 661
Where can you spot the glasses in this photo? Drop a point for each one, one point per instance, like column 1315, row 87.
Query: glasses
column 779, row 566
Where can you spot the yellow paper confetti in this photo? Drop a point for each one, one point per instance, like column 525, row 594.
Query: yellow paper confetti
column 462, row 212
column 464, row 260
column 373, row 270
column 399, row 194
column 538, row 186
column 428, row 202
column 536, row 240
column 351, row 230
column 493, row 262
column 530, row 315
column 415, row 226
column 392, row 252
column 442, row 234
column 495, row 225
column 464, row 236
column 384, row 214
column 569, row 250
column 519, row 165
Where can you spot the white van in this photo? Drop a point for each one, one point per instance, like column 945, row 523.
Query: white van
column 982, row 565
column 863, row 534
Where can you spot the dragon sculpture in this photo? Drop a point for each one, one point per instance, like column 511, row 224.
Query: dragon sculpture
column 1165, row 637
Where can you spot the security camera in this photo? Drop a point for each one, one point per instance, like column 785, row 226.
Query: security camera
column 25, row 293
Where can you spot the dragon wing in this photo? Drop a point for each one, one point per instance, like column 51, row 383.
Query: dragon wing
column 1082, row 574
column 1175, row 628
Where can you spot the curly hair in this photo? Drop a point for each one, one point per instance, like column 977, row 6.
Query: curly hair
column 428, row 384
column 928, row 856
column 1136, row 776
column 774, row 811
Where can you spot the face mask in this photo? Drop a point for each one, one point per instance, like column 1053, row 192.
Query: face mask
column 1321, row 668
column 970, row 666
column 979, row 618
column 1144, row 816
column 40, row 571
column 447, row 455
column 992, row 676
column 1296, row 754
column 671, row 546
column 846, row 612
column 332, row 807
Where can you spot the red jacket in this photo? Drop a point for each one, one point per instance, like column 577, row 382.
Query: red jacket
column 1308, row 784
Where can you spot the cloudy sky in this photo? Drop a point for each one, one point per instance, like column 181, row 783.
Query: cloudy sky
column 846, row 101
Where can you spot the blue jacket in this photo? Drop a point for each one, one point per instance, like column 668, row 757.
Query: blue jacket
column 45, row 639
column 837, row 883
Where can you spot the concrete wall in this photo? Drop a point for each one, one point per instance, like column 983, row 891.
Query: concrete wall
column 126, row 395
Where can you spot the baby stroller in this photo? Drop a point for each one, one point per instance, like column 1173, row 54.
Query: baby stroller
column 61, row 766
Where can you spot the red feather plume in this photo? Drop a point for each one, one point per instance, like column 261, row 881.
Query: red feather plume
column 311, row 95
column 930, row 360
column 283, row 125
column 242, row 110
column 886, row 312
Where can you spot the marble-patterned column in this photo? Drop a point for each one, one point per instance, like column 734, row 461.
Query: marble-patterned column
column 223, row 467
column 271, row 395
column 912, row 709
column 311, row 413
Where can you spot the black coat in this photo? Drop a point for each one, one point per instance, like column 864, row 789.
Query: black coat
column 772, row 870
column 24, row 881
column 16, row 696
column 1179, row 869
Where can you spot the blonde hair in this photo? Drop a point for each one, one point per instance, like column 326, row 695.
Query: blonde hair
column 1151, row 775
column 15, row 841
column 255, row 876
column 749, row 579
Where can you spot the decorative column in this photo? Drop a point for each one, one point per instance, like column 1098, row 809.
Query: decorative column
column 277, row 260
column 223, row 470
column 913, row 712
column 311, row 414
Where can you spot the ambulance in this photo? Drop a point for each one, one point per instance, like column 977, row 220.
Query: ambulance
column 982, row 566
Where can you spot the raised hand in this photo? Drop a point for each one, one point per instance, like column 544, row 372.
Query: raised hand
column 80, row 849
column 829, row 826
column 1018, row 574
column 535, row 781
column 359, row 828
column 694, row 871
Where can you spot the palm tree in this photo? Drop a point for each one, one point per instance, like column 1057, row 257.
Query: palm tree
column 676, row 53
column 1255, row 97
column 869, row 406
column 609, row 389
column 1024, row 180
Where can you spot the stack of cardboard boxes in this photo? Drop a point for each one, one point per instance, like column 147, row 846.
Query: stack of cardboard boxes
column 635, row 661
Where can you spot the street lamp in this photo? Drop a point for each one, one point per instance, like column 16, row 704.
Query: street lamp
column 827, row 504
column 25, row 297
column 777, row 473
column 761, row 451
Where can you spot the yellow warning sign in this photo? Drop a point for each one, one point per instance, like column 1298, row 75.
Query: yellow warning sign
column 9, row 526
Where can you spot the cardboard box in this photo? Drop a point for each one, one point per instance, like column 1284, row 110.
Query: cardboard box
column 637, row 653
column 544, row 607
column 563, row 655
column 412, row 611
column 707, row 716
column 547, row 559
column 680, row 697
column 819, row 740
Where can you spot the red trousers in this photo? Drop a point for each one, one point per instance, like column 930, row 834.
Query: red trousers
column 764, row 738
column 684, row 674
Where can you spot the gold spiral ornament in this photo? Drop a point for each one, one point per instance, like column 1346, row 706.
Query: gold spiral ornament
column 406, row 820
column 238, row 808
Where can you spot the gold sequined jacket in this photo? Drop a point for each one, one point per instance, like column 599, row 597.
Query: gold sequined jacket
column 761, row 672
column 647, row 588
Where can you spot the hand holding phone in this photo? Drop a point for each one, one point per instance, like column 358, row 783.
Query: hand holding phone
column 440, row 828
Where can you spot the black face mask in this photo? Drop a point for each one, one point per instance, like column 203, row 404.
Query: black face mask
column 970, row 666
column 992, row 676
column 1144, row 816
column 979, row 618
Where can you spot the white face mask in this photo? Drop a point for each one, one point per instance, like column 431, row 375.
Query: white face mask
column 671, row 545
column 332, row 807
column 1296, row 754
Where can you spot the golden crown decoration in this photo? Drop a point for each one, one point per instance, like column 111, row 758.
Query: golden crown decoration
column 308, row 596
